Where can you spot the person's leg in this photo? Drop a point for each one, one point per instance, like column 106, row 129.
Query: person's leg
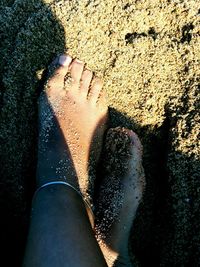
column 72, row 119
column 119, row 195
column 60, row 232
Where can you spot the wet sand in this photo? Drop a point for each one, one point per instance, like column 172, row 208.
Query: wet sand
column 148, row 53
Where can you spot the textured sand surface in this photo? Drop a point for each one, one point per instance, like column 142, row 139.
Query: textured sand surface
column 148, row 53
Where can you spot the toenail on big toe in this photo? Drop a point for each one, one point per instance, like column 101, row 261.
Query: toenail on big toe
column 65, row 60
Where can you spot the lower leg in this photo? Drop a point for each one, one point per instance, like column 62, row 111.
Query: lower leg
column 60, row 231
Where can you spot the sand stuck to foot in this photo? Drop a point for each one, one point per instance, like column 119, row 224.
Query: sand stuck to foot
column 148, row 53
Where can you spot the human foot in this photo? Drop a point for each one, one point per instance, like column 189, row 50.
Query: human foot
column 72, row 120
column 119, row 195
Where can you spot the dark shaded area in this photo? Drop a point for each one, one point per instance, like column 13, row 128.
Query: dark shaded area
column 187, row 33
column 184, row 173
column 174, row 238
column 153, row 33
column 130, row 37
column 152, row 223
column 127, row 6
column 166, row 229
column 6, row 3
column 19, row 63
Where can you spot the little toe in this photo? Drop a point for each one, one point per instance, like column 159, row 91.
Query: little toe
column 95, row 90
column 85, row 82
column 56, row 82
column 76, row 70
column 102, row 103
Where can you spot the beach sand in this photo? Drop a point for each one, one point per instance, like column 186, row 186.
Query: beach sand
column 148, row 53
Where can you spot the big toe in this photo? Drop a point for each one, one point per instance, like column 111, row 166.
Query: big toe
column 56, row 81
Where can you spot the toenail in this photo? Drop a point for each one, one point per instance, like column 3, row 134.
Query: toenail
column 65, row 60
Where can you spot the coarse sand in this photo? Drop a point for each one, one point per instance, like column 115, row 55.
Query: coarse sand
column 148, row 53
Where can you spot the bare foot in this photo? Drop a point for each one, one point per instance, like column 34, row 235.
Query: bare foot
column 119, row 195
column 72, row 117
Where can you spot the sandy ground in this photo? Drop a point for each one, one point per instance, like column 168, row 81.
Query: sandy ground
column 148, row 53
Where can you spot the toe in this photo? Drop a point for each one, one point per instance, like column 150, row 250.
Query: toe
column 103, row 99
column 95, row 90
column 76, row 69
column 56, row 82
column 85, row 82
